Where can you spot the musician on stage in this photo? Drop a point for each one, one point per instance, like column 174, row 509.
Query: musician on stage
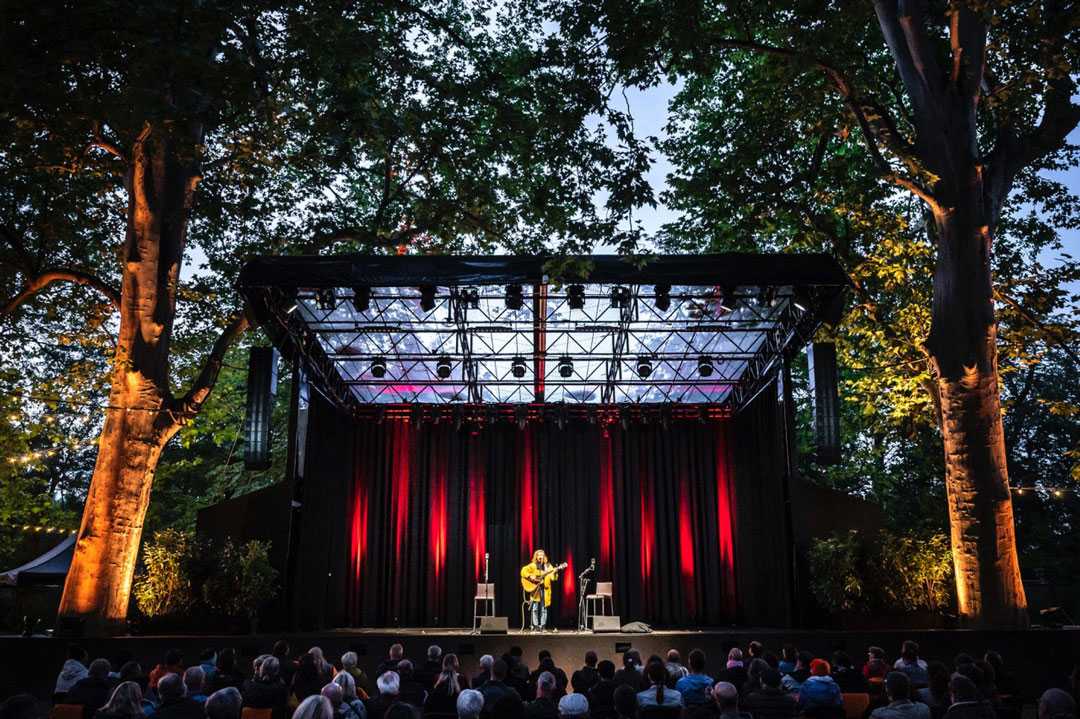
column 536, row 579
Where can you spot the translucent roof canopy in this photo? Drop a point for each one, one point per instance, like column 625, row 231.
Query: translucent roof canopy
column 498, row 331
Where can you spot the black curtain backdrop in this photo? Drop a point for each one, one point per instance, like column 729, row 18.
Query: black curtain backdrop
column 687, row 521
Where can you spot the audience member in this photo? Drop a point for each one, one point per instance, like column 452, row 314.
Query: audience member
column 602, row 694
column 675, row 668
column 509, row 706
column 306, row 681
column 658, row 694
column 21, row 706
column 283, row 652
column 224, row 703
column 173, row 663
column 448, row 685
column 126, row 702
column 325, row 668
column 350, row 665
column 1003, row 679
column 819, row 691
column 315, row 706
column 755, row 650
column 429, row 671
column 936, row 694
column 586, row 678
column 132, row 672
column 846, row 676
column 875, row 667
column 900, row 706
column 352, row 705
column 735, row 670
column 1056, row 704
column 93, row 690
column 208, row 662
column 625, row 700
column 694, row 687
column 987, row 685
column 789, row 656
column 389, row 687
column 397, row 653
column 794, row 679
column 909, row 663
column 194, row 681
column 754, row 670
column 631, row 674
column 266, row 690
column 333, row 694
column 469, row 704
column 411, row 691
column 495, row 688
column 74, row 669
column 574, row 705
column 226, row 673
column 965, row 701
column 175, row 703
column 517, row 664
column 724, row 703
column 484, row 674
column 547, row 664
column 771, row 701
column 543, row 706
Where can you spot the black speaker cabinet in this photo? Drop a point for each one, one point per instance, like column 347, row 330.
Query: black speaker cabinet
column 261, row 388
column 605, row 625
column 821, row 357
column 494, row 625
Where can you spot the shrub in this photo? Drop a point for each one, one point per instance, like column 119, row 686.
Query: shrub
column 164, row 586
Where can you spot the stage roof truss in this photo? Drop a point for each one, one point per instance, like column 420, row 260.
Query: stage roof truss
column 633, row 339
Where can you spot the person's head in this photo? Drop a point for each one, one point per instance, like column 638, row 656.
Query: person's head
column 256, row 663
column 574, row 705
column 405, row 668
column 897, row 686
column 734, row 655
column 469, row 704
column 486, row 662
column 21, row 706
column 803, row 660
column 194, row 678
column 224, row 704
column 820, row 668
column 963, row 658
column 132, row 672
column 545, row 684
column 434, row 652
column 314, row 707
column 606, row 669
column 756, row 650
column 542, row 655
column 389, row 683
column 625, row 701
column 99, row 669
column 126, row 700
column 771, row 678
column 516, row 652
column 320, row 660
column 305, row 667
column 1057, row 704
column 697, row 661
column 972, row 672
column 962, row 689
column 994, row 659
column 208, row 656
column 875, row 654
column 757, row 666
column 909, row 651
column 333, row 693
column 789, row 653
column 401, row 710
column 173, row 657
column 170, row 687
column 76, row 652
column 631, row 658
column 726, row 696
column 499, row 670
column 396, row 652
column 674, row 657
column 657, row 673
column 269, row 669
column 938, row 679
column 591, row 658
column 841, row 660
column 281, row 649
column 348, row 686
column 450, row 663
column 539, row 557
column 226, row 660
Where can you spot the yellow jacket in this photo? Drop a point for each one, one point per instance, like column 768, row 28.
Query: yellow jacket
column 530, row 572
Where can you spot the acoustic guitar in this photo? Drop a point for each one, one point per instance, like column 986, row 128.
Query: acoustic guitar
column 531, row 584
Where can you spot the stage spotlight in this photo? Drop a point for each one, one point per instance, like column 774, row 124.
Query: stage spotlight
column 766, row 296
column 575, row 297
column 566, row 366
column 325, row 299
column 728, row 299
column 801, row 298
column 620, row 296
column 291, row 302
column 517, row 366
column 378, row 367
column 514, row 297
column 470, row 297
column 361, row 299
column 644, row 367
column 663, row 297
column 427, row 297
column 705, row 366
column 442, row 367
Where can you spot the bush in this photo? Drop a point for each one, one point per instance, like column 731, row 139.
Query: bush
column 885, row 572
column 164, row 587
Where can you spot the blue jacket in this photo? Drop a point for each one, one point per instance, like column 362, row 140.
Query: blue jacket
column 819, row 692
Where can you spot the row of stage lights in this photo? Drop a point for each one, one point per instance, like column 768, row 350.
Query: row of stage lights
column 470, row 417
column 565, row 366
column 620, row 297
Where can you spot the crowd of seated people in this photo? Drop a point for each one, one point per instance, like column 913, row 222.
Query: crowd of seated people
column 751, row 684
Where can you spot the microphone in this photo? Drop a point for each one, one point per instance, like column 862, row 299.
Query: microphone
column 486, row 557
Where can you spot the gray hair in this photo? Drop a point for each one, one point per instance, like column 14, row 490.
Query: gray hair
column 194, row 677
column 314, row 707
column 469, row 704
column 545, row 682
column 224, row 704
column 349, row 660
column 347, row 684
column 397, row 651
column 270, row 668
column 333, row 692
column 1055, row 704
column 171, row 686
column 574, row 705
column 256, row 663
column 487, row 661
column 434, row 651
column 389, row 683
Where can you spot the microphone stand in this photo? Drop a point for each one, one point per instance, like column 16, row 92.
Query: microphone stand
column 583, row 586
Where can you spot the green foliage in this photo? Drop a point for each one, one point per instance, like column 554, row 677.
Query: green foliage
column 889, row 572
column 165, row 586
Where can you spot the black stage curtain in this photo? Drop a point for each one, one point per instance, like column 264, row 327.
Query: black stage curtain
column 686, row 521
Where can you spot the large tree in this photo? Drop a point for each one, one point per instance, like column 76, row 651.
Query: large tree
column 952, row 104
column 136, row 136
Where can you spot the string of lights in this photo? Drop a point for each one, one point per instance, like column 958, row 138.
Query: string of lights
column 76, row 403
column 1055, row 492
column 41, row 529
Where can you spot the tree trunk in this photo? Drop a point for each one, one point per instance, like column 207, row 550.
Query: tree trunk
column 138, row 422
column 962, row 347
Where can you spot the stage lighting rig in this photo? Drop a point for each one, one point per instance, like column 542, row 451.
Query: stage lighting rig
column 644, row 366
column 361, row 299
column 325, row 299
column 470, row 297
column 728, row 300
column 378, row 367
column 517, row 366
column 566, row 367
column 620, row 297
column 705, row 366
column 663, row 297
column 575, row 297
column 427, row 297
column 514, row 297
column 443, row 366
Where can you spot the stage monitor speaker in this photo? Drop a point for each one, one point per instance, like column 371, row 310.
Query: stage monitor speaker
column 821, row 357
column 261, row 388
column 494, row 625
column 605, row 625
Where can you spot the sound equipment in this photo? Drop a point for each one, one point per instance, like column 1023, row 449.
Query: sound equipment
column 494, row 625
column 261, row 388
column 821, row 357
column 605, row 625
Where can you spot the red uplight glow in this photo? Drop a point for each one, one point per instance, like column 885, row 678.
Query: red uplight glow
column 402, row 455
column 528, row 491
column 686, row 544
column 438, row 528
column 725, row 511
column 607, row 506
column 477, row 507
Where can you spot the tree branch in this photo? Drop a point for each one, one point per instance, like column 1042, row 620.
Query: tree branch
column 189, row 405
column 1055, row 336
column 52, row 275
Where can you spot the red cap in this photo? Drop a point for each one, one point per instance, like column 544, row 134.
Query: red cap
column 820, row 668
